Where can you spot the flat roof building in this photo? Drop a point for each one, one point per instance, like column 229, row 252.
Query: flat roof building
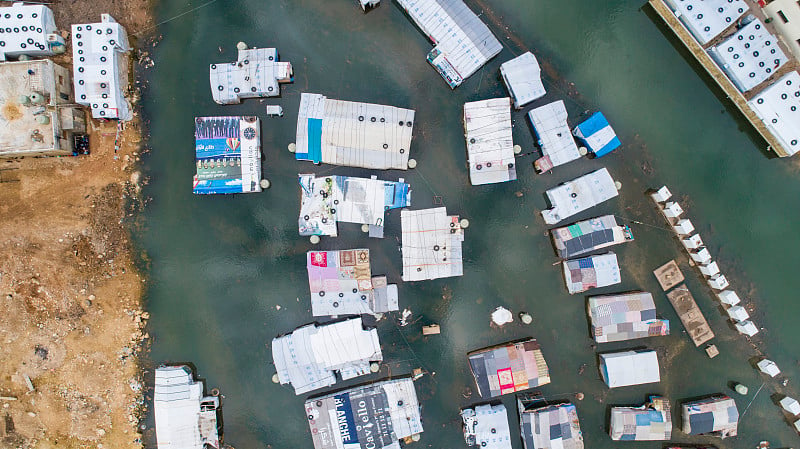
column 100, row 68
column 39, row 116
column 28, row 30
column 185, row 419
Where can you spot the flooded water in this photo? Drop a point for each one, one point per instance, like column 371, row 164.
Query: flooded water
column 219, row 267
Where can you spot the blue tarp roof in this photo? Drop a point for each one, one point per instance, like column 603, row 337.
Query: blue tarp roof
column 588, row 133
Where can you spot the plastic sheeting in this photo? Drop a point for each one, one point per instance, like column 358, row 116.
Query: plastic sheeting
column 579, row 195
column 374, row 416
column 30, row 25
column 626, row 368
column 550, row 426
column 463, row 44
column 716, row 416
column 341, row 283
column 523, row 78
column 431, row 244
column 227, row 155
column 490, row 147
column 100, row 68
column 256, row 73
column 353, row 134
column 486, row 426
column 706, row 19
column 778, row 106
column 589, row 235
column 650, row 422
column 509, row 368
column 327, row 200
column 310, row 356
column 749, row 56
column 553, row 135
column 625, row 317
column 591, row 272
column 181, row 422
column 597, row 135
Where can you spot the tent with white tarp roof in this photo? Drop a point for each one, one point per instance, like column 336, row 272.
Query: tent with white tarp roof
column 553, row 136
column 579, row 195
column 523, row 78
column 256, row 73
column 778, row 107
column 29, row 30
column 431, row 244
column 463, row 44
column 626, row 368
column 790, row 405
column 310, row 356
column 706, row 19
column 486, row 426
column 490, row 146
column 353, row 134
column 184, row 418
column 768, row 367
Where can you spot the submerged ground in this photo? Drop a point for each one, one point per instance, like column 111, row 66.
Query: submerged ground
column 227, row 274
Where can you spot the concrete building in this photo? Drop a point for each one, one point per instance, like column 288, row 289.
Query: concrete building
column 28, row 30
column 100, row 67
column 37, row 113
column 785, row 15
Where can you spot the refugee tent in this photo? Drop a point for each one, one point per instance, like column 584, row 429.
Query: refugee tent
column 523, row 79
column 626, row 368
column 597, row 135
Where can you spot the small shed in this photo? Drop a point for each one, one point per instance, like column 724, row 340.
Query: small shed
column 626, row 368
column 709, row 269
column 684, row 227
column 661, row 195
column 523, row 79
column 738, row 313
column 790, row 405
column 597, row 135
column 692, row 242
column 746, row 328
column 718, row 282
column 729, row 297
column 769, row 368
column 672, row 210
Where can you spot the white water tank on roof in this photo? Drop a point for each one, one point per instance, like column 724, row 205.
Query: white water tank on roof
column 684, row 227
column 692, row 242
column 709, row 269
column 663, row 194
column 36, row 98
column 729, row 297
column 701, row 256
column 673, row 209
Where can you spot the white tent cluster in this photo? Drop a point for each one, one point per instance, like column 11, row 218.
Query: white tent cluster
column 749, row 56
column 431, row 244
column 490, row 146
column 184, row 418
column 100, row 68
column 310, row 357
column 256, row 73
column 523, row 78
column 778, row 106
column 28, row 30
column 579, row 195
column 672, row 212
column 553, row 135
column 353, row 134
column 463, row 44
column 707, row 19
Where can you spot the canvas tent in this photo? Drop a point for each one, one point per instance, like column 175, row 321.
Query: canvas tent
column 353, row 134
column 768, row 367
column 310, row 357
column 790, row 405
column 625, row 316
column 508, row 368
column 579, row 195
column 431, row 244
column 553, row 136
column 486, row 426
column 256, row 73
column 626, row 368
column 490, row 147
column 716, row 416
column 650, row 422
column 591, row 272
column 523, row 79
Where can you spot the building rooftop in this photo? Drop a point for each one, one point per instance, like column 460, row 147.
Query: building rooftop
column 549, row 426
column 353, row 134
column 431, row 244
column 668, row 275
column 508, row 368
column 327, row 200
column 523, row 78
column 692, row 318
column 341, row 283
column 311, row 356
column 553, row 135
column 385, row 412
column 785, row 15
column 490, row 145
column 625, row 317
column 227, row 155
column 579, row 195
column 778, row 106
column 256, row 73
column 749, row 56
column 463, row 44
column 591, row 272
column 486, row 426
column 184, row 418
column 100, row 68
column 650, row 422
column 716, row 416
column 707, row 19
column 27, row 29
column 626, row 368
column 589, row 235
column 597, row 135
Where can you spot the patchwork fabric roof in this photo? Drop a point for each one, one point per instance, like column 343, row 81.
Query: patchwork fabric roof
column 508, row 368
column 550, row 426
column 716, row 416
column 650, row 422
column 625, row 317
column 486, row 426
column 591, row 272
column 589, row 235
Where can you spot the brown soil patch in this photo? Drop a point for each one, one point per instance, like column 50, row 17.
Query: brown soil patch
column 70, row 297
column 11, row 112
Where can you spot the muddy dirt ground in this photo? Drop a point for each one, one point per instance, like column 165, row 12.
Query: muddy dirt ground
column 70, row 297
